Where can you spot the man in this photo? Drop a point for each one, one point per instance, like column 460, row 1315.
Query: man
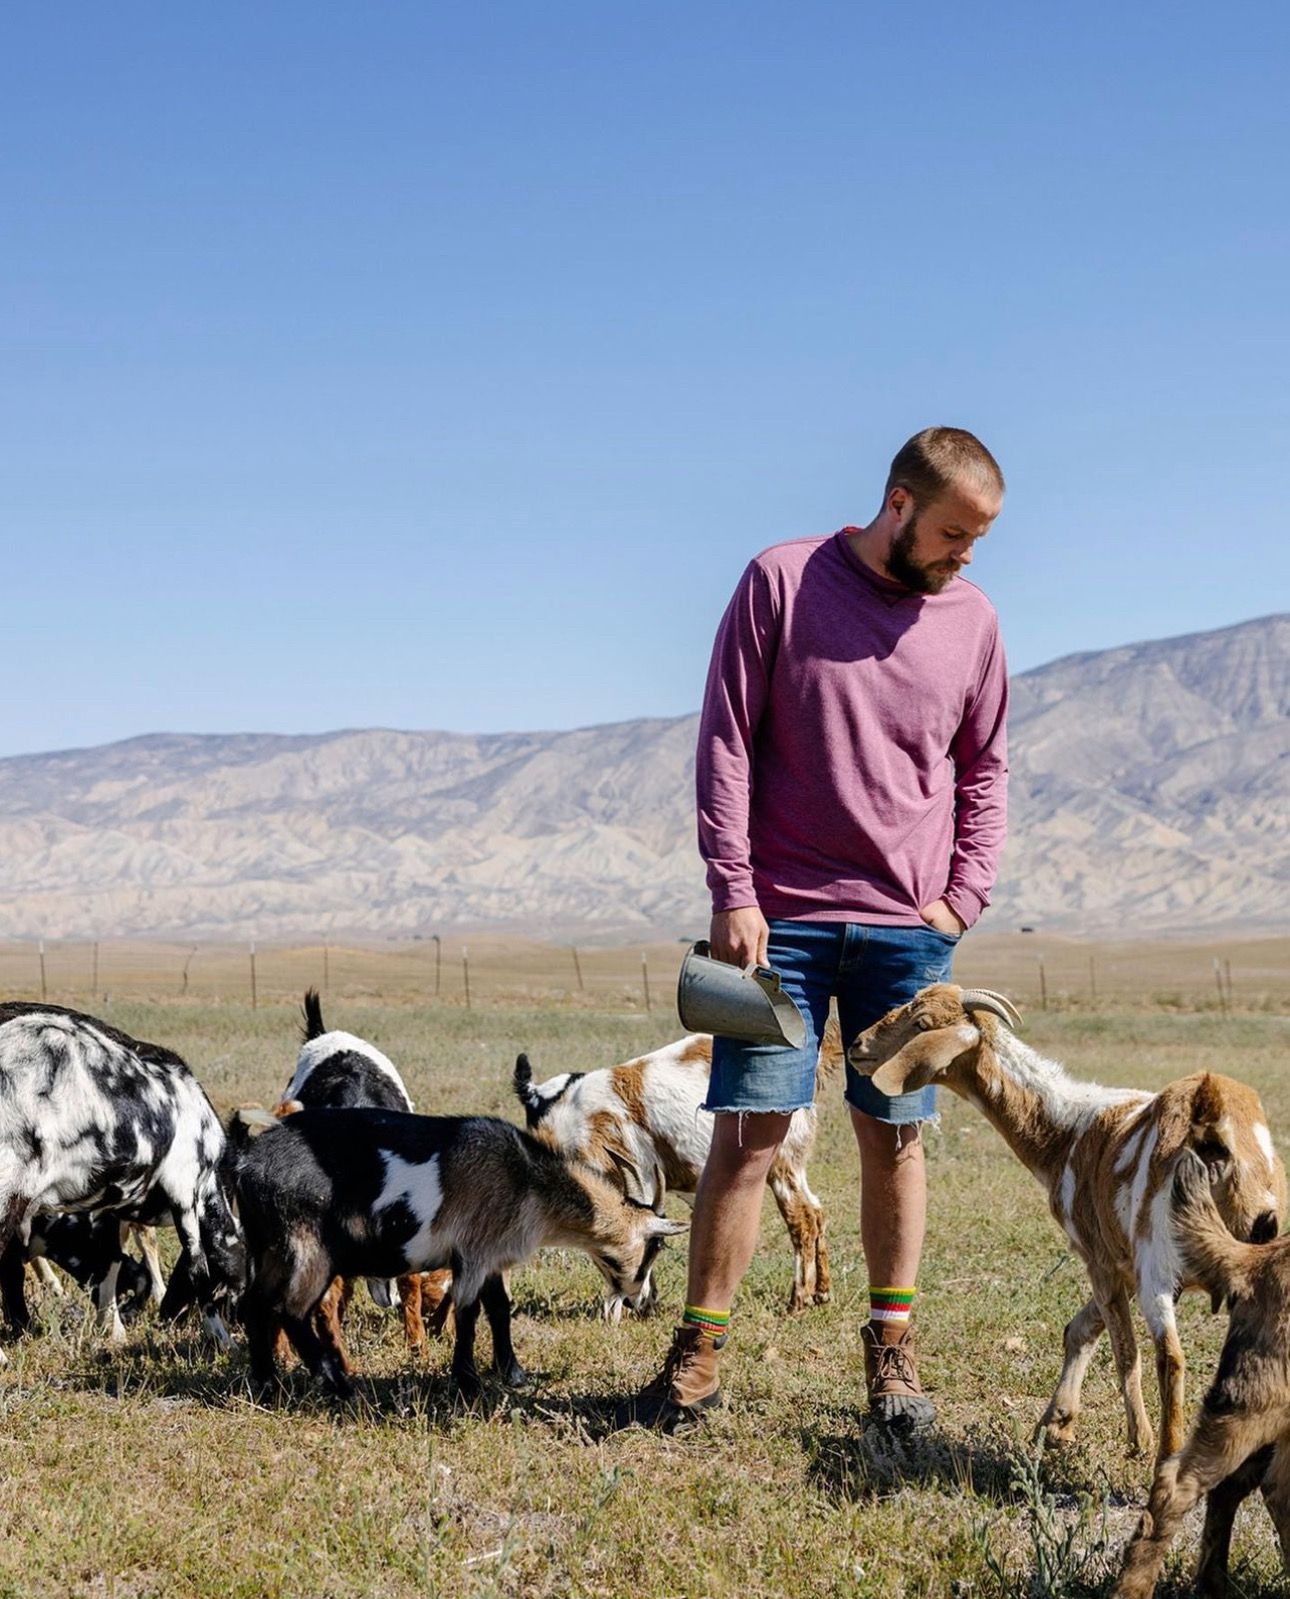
column 851, row 777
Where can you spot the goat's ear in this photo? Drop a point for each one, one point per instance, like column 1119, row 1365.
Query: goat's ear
column 924, row 1057
column 665, row 1227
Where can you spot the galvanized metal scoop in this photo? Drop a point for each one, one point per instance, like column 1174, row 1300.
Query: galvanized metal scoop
column 748, row 1004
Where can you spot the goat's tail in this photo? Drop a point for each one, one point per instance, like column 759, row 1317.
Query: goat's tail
column 522, row 1082
column 831, row 1055
column 312, row 1010
column 1211, row 1256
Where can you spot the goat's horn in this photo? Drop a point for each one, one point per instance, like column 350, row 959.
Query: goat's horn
column 660, row 1188
column 998, row 1004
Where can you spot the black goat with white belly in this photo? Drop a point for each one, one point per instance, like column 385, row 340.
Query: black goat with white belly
column 376, row 1193
column 94, row 1120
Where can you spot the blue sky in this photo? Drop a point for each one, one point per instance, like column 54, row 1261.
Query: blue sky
column 441, row 366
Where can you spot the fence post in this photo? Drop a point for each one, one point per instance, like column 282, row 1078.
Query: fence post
column 94, row 972
column 577, row 967
column 253, row 989
column 1218, row 980
column 43, row 990
column 438, row 963
column 1092, row 978
column 188, row 961
column 326, row 968
column 465, row 972
column 645, row 980
column 1043, row 985
column 1227, row 973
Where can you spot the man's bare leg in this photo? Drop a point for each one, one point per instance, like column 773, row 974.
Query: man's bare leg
column 723, row 1235
column 727, row 1204
column 893, row 1222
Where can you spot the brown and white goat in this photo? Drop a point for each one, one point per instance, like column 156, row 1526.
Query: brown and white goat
column 1240, row 1439
column 1106, row 1157
column 646, row 1112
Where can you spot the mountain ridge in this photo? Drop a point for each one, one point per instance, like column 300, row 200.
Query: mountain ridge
column 1150, row 791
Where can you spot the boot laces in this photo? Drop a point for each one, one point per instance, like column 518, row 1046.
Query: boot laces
column 892, row 1363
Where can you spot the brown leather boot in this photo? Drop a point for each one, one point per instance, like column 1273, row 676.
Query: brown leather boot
column 896, row 1397
column 674, row 1401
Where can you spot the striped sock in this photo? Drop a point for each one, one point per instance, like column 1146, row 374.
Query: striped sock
column 891, row 1304
column 713, row 1322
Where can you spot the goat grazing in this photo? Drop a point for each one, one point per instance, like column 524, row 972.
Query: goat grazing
column 1240, row 1439
column 90, row 1248
column 1106, row 1157
column 340, row 1071
column 377, row 1193
column 646, row 1112
column 94, row 1120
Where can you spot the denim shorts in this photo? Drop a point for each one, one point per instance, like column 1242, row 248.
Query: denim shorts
column 868, row 969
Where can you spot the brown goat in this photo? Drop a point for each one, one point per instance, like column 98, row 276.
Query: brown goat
column 1241, row 1437
column 1106, row 1157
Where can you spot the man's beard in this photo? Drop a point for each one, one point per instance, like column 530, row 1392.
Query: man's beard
column 902, row 566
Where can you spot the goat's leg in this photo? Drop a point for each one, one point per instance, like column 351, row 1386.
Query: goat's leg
column 1222, row 1502
column 1057, row 1424
column 414, row 1330
column 107, row 1310
column 327, row 1322
column 323, row 1361
column 497, row 1307
column 1158, row 1310
column 1118, row 1315
column 1276, row 1491
column 13, row 1288
column 804, row 1219
column 1217, row 1448
column 263, row 1335
column 464, row 1372
column 46, row 1276
column 146, row 1238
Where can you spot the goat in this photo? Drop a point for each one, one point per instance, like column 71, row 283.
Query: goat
column 1106, row 1157
column 339, row 1071
column 94, row 1120
column 1240, row 1439
column 90, row 1248
column 332, row 1193
column 647, row 1112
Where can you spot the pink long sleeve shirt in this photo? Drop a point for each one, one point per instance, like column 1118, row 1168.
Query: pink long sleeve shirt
column 852, row 761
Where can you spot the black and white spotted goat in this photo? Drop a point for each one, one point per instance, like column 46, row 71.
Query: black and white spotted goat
column 340, row 1071
column 90, row 1248
column 329, row 1193
column 94, row 1120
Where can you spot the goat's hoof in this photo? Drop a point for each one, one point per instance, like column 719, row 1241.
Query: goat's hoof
column 1058, row 1433
column 513, row 1375
column 822, row 1296
column 468, row 1386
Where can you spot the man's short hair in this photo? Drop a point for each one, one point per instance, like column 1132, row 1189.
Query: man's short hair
column 937, row 457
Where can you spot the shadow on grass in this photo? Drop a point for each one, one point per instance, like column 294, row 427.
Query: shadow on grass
column 187, row 1371
column 872, row 1462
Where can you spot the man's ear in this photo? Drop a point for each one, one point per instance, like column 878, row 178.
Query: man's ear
column 924, row 1057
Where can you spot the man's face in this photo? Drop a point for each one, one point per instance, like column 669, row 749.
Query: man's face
column 935, row 542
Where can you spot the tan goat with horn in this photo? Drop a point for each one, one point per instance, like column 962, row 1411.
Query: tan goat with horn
column 1106, row 1158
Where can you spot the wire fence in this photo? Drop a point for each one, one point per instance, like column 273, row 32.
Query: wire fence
column 1039, row 972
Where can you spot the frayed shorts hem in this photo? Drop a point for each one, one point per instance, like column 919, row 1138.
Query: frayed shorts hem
column 756, row 1110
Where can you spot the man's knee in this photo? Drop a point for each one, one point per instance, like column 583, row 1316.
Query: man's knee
column 746, row 1141
column 888, row 1143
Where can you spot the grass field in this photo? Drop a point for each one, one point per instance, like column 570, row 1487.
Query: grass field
column 150, row 1470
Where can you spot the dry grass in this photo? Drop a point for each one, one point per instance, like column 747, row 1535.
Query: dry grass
column 151, row 1470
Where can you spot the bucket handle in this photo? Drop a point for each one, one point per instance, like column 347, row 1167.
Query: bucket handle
column 766, row 975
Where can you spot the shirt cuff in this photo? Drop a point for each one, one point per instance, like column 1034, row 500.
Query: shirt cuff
column 965, row 904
